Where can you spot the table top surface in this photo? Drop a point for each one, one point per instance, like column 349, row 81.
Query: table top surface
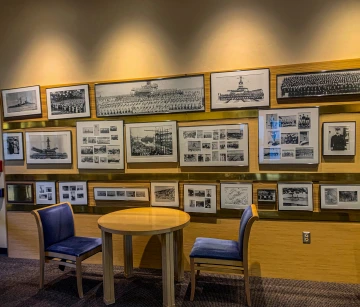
column 144, row 221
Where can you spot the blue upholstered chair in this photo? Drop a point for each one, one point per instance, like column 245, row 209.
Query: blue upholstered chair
column 229, row 256
column 58, row 243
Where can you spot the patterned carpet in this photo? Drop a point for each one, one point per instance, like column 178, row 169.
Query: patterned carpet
column 19, row 287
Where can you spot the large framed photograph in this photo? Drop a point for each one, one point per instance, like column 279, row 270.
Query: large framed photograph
column 13, row 146
column 236, row 195
column 165, row 194
column 74, row 192
column 289, row 136
column 51, row 147
column 20, row 193
column 220, row 145
column 45, row 192
column 200, row 198
column 68, row 102
column 100, row 144
column 340, row 196
column 151, row 142
column 339, row 139
column 240, row 89
column 23, row 101
column 165, row 95
column 295, row 196
column 317, row 84
column 266, row 195
column 130, row 194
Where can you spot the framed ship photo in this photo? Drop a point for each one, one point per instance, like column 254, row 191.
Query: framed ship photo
column 219, row 145
column 20, row 193
column 165, row 194
column 74, row 192
column 200, row 198
column 340, row 196
column 236, row 195
column 318, row 84
column 128, row 194
column 45, row 192
column 151, row 142
column 23, row 101
column 165, row 95
column 68, row 102
column 289, row 136
column 295, row 196
column 266, row 195
column 240, row 89
column 13, row 146
column 51, row 147
column 339, row 139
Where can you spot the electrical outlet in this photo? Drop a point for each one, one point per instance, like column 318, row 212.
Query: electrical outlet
column 306, row 237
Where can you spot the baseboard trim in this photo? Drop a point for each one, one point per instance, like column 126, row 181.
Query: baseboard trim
column 3, row 250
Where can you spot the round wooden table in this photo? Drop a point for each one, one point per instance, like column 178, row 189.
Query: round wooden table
column 168, row 223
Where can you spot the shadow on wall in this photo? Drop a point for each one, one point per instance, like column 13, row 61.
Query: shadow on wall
column 151, row 257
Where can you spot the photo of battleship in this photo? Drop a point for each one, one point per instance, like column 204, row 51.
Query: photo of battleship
column 21, row 101
column 170, row 95
column 48, row 152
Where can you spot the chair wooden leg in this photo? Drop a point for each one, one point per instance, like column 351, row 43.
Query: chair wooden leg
column 192, row 269
column 197, row 273
column 247, row 286
column 79, row 278
column 42, row 271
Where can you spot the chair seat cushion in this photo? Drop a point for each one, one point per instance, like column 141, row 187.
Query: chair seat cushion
column 215, row 249
column 75, row 246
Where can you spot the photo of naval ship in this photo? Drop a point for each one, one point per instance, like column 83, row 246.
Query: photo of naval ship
column 48, row 152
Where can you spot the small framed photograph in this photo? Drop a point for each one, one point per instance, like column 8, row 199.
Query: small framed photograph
column 295, row 196
column 339, row 139
column 68, row 102
column 151, row 142
column 129, row 194
column 240, row 89
column 200, row 198
column 23, row 101
column 13, row 146
column 45, row 192
column 340, row 196
column 266, row 195
column 51, row 147
column 165, row 194
column 74, row 192
column 236, row 195
column 20, row 193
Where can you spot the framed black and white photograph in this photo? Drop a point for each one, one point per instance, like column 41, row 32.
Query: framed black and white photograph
column 240, row 89
column 151, row 142
column 100, row 144
column 13, row 146
column 236, row 195
column 165, row 194
column 165, row 95
column 318, row 84
column 200, row 198
column 295, row 196
column 340, row 196
column 127, row 194
column 23, row 101
column 74, row 192
column 20, row 193
column 289, row 136
column 339, row 139
column 51, row 147
column 266, row 195
column 68, row 102
column 45, row 192
column 218, row 145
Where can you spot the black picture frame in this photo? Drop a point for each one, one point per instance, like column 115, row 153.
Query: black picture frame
column 19, row 193
column 264, row 200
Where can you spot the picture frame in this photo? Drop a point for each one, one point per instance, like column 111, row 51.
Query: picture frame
column 20, row 193
column 22, row 101
column 340, row 196
column 45, row 192
column 100, row 144
column 164, row 194
column 214, row 145
column 49, row 147
column 236, row 195
column 142, row 146
column 318, row 84
column 295, row 196
column 200, row 198
column 125, row 194
column 289, row 136
column 74, row 192
column 68, row 102
column 339, row 138
column 151, row 96
column 13, row 146
column 266, row 195
column 240, row 89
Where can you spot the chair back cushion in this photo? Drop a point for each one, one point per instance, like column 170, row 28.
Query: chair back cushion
column 57, row 223
column 246, row 216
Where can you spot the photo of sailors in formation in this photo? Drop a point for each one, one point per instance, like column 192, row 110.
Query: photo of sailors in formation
column 171, row 95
